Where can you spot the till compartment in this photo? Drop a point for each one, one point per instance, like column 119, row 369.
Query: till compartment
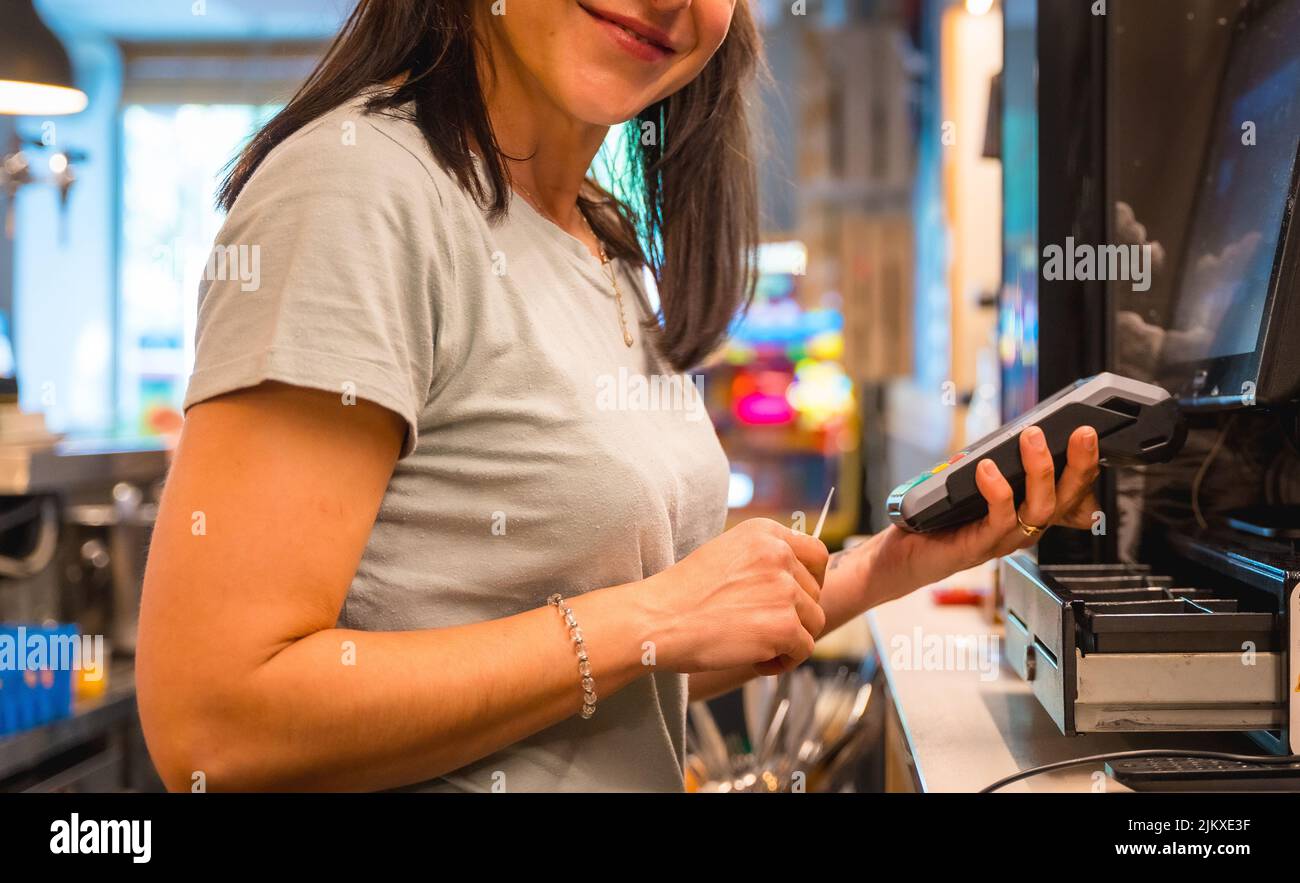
column 1118, row 648
column 1131, row 610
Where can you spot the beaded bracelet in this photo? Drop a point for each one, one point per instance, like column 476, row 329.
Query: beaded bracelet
column 584, row 664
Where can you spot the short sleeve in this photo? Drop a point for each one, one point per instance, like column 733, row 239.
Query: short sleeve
column 327, row 275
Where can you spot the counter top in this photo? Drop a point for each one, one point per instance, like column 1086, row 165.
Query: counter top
column 90, row 718
column 80, row 463
column 966, row 728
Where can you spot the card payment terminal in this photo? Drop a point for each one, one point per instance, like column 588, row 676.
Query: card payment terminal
column 1136, row 422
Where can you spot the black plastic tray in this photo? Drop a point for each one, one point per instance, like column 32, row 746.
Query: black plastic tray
column 1121, row 609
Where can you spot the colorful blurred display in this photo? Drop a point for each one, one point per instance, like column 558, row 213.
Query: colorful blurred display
column 1018, row 305
column 782, row 403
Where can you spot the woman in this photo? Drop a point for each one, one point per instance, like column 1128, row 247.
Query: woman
column 396, row 453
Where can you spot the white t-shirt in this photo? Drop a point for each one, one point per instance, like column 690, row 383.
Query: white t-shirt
column 542, row 454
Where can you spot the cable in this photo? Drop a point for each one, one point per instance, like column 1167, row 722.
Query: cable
column 1287, row 433
column 1134, row 755
column 1205, row 466
column 1276, row 469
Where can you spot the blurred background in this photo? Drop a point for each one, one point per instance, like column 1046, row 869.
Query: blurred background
column 881, row 196
column 917, row 154
column 869, row 352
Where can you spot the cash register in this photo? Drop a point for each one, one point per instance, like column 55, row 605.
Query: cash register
column 1200, row 629
column 1204, row 633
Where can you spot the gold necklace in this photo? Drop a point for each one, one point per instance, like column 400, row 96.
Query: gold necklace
column 604, row 261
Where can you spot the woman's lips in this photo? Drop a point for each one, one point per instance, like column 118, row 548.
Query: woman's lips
column 629, row 41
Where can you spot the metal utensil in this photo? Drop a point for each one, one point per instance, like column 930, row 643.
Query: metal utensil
column 713, row 748
column 756, row 696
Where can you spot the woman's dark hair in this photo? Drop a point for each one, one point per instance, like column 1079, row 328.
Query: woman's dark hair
column 695, row 204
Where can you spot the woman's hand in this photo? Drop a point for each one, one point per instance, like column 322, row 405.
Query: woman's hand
column 913, row 560
column 749, row 597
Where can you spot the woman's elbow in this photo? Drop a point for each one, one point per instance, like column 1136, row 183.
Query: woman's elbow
column 191, row 731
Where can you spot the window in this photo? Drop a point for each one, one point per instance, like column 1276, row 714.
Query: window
column 173, row 156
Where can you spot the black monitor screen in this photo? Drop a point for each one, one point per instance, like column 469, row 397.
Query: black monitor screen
column 1233, row 242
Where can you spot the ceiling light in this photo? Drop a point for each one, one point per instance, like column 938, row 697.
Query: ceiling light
column 35, row 71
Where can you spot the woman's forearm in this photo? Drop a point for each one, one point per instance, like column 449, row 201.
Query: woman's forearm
column 243, row 677
column 892, row 563
column 342, row 709
column 863, row 577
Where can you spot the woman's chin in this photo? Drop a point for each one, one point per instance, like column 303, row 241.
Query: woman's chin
column 604, row 100
column 605, row 114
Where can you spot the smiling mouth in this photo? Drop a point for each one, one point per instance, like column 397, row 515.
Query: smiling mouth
column 636, row 35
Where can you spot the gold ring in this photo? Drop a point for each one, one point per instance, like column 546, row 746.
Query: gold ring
column 1028, row 529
